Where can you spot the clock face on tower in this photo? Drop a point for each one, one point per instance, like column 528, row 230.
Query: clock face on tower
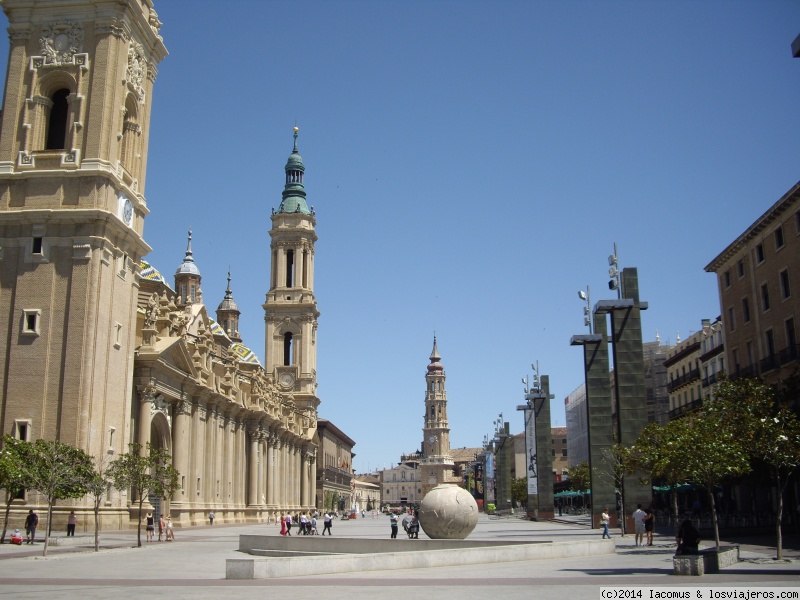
column 286, row 380
column 126, row 209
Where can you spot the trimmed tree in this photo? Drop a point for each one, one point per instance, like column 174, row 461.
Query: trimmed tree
column 712, row 453
column 580, row 479
column 96, row 488
column 661, row 451
column 144, row 471
column 617, row 464
column 768, row 428
column 56, row 471
column 14, row 455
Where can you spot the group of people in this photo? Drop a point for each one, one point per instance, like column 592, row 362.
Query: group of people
column 410, row 524
column 165, row 529
column 306, row 524
column 643, row 523
column 687, row 539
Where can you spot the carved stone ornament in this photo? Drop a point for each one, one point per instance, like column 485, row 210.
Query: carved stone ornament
column 160, row 405
column 61, row 42
column 137, row 69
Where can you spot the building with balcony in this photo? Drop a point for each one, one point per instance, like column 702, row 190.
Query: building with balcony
column 758, row 277
column 335, row 481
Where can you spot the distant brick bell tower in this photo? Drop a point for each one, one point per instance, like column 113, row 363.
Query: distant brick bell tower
column 73, row 156
column 436, row 465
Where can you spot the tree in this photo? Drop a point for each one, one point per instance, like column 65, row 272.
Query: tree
column 519, row 490
column 768, row 428
column 712, row 453
column 580, row 478
column 96, row 488
column 660, row 451
column 13, row 458
column 56, row 471
column 144, row 471
column 617, row 463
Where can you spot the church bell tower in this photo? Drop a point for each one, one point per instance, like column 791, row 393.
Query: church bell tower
column 436, row 465
column 73, row 155
column 290, row 309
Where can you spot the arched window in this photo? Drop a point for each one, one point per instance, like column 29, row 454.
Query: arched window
column 57, row 125
column 287, row 348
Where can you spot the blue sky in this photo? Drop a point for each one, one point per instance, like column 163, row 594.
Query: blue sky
column 471, row 165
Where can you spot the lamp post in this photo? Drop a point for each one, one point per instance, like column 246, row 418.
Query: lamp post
column 587, row 310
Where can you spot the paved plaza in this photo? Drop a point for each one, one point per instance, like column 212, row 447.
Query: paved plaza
column 193, row 566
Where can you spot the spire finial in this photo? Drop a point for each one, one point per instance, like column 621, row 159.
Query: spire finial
column 189, row 244
column 296, row 129
column 228, row 293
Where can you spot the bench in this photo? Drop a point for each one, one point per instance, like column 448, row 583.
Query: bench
column 706, row 561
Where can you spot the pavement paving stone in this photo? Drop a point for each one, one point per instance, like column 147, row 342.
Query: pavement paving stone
column 193, row 566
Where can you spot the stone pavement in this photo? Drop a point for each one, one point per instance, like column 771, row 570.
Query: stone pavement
column 193, row 566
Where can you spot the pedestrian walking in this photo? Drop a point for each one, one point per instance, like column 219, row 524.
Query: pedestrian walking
column 211, row 516
column 283, row 525
column 161, row 526
column 393, row 523
column 31, row 523
column 649, row 523
column 288, row 524
column 327, row 521
column 638, row 524
column 150, row 527
column 604, row 520
column 170, row 530
column 72, row 520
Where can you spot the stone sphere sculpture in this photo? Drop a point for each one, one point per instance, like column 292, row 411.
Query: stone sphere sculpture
column 448, row 512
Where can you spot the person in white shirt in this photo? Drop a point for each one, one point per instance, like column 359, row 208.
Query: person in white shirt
column 638, row 524
column 327, row 521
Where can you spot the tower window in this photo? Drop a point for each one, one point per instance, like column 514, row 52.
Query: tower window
column 289, row 267
column 37, row 246
column 287, row 349
column 31, row 321
column 57, row 127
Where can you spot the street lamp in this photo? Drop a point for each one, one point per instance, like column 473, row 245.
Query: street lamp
column 587, row 310
column 613, row 273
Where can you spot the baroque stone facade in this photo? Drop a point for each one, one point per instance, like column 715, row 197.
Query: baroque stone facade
column 98, row 349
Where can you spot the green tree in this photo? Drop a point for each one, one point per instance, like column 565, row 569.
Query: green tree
column 660, row 451
column 769, row 430
column 13, row 458
column 580, row 478
column 519, row 490
column 712, row 453
column 97, row 487
column 144, row 471
column 616, row 464
column 56, row 471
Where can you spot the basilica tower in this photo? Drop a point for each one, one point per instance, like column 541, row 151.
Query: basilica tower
column 73, row 155
column 290, row 309
column 436, row 465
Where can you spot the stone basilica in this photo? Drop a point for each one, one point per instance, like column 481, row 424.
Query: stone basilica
column 99, row 350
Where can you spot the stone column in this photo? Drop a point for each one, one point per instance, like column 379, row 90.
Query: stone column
column 147, row 397
column 181, row 434
column 303, row 477
column 270, row 469
column 252, row 498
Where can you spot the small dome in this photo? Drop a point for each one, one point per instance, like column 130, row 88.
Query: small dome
column 295, row 162
column 228, row 303
column 187, row 266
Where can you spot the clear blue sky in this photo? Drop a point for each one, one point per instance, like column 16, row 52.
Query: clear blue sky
column 471, row 165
